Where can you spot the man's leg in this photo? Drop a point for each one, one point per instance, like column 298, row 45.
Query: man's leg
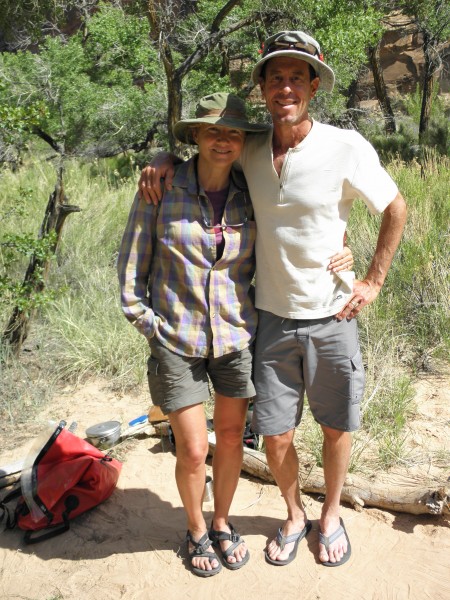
column 283, row 462
column 334, row 377
column 278, row 408
column 336, row 455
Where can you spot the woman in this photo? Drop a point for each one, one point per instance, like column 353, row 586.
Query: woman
column 185, row 272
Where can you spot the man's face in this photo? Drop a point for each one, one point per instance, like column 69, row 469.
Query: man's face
column 287, row 89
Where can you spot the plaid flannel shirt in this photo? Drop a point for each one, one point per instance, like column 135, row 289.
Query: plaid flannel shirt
column 173, row 286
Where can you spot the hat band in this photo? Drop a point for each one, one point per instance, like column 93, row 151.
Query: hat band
column 214, row 112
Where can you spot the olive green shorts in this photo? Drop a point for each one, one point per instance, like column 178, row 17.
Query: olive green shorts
column 177, row 381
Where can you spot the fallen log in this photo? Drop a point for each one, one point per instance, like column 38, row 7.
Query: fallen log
column 396, row 492
column 400, row 493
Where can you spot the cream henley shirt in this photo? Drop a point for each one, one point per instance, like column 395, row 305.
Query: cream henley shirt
column 301, row 216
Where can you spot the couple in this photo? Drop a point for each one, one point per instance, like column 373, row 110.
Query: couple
column 186, row 267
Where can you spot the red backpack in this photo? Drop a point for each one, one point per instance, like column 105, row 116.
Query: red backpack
column 68, row 477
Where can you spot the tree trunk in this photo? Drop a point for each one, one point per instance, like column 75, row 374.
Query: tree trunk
column 159, row 31
column 225, row 63
column 351, row 95
column 56, row 212
column 432, row 64
column 173, row 109
column 380, row 89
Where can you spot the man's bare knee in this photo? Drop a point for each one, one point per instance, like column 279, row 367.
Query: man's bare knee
column 278, row 443
column 333, row 435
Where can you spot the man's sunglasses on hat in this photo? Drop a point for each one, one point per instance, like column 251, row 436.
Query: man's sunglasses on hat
column 300, row 46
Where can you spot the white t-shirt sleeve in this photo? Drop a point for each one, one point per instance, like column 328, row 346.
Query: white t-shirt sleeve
column 371, row 181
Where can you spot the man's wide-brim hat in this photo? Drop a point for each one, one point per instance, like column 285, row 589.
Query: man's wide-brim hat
column 220, row 108
column 295, row 44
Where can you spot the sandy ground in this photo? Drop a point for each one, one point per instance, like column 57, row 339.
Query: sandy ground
column 131, row 547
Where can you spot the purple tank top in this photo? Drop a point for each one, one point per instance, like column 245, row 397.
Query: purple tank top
column 218, row 201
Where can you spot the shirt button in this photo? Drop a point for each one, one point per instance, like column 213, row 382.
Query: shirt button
column 213, row 315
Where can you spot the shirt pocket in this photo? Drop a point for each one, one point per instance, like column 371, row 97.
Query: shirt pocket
column 240, row 243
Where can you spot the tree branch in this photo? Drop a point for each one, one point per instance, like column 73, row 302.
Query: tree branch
column 57, row 147
column 152, row 17
column 224, row 12
column 213, row 40
column 108, row 152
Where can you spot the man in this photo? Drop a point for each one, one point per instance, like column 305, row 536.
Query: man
column 303, row 177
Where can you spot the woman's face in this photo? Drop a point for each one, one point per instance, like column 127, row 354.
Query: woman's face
column 218, row 145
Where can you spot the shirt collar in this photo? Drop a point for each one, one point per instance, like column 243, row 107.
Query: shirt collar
column 185, row 178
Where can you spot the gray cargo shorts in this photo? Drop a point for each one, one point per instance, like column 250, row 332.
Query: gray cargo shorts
column 177, row 381
column 320, row 357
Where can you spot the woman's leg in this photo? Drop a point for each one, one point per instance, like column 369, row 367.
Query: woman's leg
column 189, row 428
column 229, row 423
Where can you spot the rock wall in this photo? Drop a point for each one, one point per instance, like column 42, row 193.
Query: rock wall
column 402, row 61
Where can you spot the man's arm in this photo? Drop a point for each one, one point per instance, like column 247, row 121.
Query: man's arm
column 160, row 167
column 391, row 229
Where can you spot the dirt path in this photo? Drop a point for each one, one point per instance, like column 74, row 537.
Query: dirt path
column 127, row 547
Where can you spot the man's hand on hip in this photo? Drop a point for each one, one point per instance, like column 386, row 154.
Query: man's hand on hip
column 364, row 293
column 391, row 229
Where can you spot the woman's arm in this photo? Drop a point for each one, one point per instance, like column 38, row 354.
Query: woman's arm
column 342, row 261
column 134, row 265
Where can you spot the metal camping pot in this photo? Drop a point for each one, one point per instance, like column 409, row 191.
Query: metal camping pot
column 208, row 494
column 104, row 435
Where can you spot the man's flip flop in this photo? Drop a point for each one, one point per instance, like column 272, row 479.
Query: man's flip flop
column 328, row 540
column 218, row 536
column 200, row 550
column 282, row 540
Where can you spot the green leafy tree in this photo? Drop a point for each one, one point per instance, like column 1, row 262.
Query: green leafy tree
column 93, row 105
column 214, row 34
column 138, row 62
column 89, row 94
column 28, row 22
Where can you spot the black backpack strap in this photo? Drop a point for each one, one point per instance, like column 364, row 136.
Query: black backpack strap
column 30, row 538
column 71, row 503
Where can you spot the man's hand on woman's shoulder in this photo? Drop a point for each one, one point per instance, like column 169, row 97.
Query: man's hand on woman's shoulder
column 160, row 168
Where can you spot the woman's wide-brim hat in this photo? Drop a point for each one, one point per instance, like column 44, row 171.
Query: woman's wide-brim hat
column 295, row 44
column 222, row 109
